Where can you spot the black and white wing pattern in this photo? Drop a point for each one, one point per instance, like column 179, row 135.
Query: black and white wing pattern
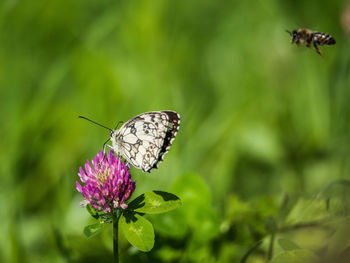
column 144, row 139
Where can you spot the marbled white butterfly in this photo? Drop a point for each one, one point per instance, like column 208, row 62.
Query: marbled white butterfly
column 144, row 139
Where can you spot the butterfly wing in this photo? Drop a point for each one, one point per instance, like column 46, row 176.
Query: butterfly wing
column 144, row 139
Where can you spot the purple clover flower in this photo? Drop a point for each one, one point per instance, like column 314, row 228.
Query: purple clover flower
column 108, row 184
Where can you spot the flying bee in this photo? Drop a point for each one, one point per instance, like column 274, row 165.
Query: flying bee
column 307, row 37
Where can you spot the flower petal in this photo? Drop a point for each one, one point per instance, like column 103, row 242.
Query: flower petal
column 108, row 183
column 78, row 187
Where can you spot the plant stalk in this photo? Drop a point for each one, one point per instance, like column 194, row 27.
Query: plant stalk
column 270, row 251
column 116, row 217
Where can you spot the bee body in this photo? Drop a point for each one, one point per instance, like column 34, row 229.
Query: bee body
column 308, row 37
column 323, row 39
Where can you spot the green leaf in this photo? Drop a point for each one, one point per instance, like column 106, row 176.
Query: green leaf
column 155, row 202
column 93, row 229
column 92, row 211
column 295, row 256
column 339, row 241
column 337, row 196
column 308, row 210
column 287, row 244
column 334, row 186
column 196, row 214
column 171, row 224
column 205, row 224
column 137, row 230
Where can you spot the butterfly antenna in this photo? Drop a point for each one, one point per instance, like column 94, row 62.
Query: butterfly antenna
column 82, row 117
column 120, row 122
column 290, row 33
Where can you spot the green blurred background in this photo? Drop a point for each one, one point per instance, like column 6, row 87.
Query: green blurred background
column 262, row 153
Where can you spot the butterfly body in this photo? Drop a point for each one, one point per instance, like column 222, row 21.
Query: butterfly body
column 144, row 139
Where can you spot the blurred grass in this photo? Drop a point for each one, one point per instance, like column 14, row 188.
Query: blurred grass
column 260, row 118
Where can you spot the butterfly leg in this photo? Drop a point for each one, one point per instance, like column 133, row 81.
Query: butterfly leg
column 104, row 146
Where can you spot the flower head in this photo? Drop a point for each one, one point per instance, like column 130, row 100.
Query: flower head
column 107, row 182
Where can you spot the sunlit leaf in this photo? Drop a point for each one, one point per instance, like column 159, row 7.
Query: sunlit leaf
column 295, row 256
column 308, row 210
column 340, row 239
column 287, row 244
column 287, row 205
column 137, row 230
column 333, row 187
column 155, row 202
column 337, row 197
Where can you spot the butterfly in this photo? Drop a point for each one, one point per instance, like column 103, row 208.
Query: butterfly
column 144, row 140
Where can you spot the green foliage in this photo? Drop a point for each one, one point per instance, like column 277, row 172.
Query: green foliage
column 264, row 125
column 137, row 230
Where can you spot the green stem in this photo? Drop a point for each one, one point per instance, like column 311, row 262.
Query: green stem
column 247, row 254
column 270, row 251
column 116, row 217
